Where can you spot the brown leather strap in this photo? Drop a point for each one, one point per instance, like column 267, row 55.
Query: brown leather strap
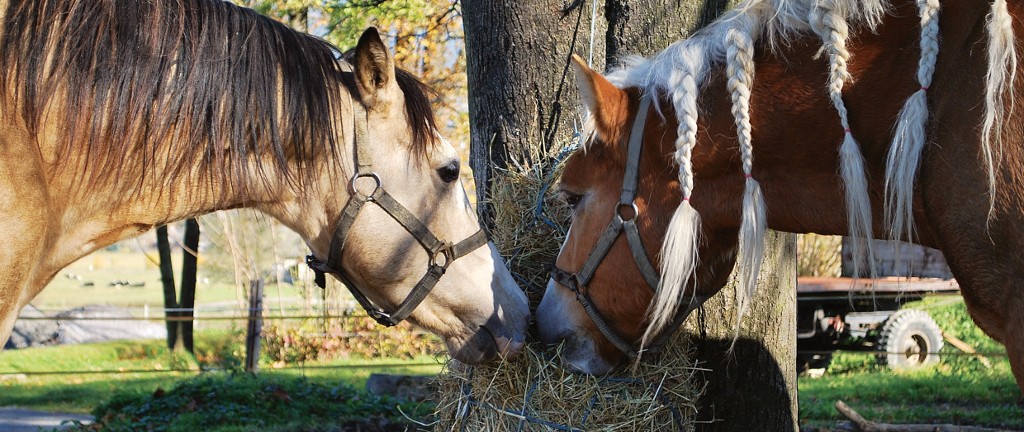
column 577, row 282
column 440, row 254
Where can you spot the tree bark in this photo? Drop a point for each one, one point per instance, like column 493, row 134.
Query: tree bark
column 521, row 95
column 645, row 27
column 751, row 385
column 189, row 270
column 163, row 246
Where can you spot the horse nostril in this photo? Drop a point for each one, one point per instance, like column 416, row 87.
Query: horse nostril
column 508, row 348
column 504, row 346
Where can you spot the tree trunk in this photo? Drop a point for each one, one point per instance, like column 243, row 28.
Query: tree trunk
column 179, row 332
column 645, row 27
column 163, row 246
column 521, row 95
column 754, row 386
column 189, row 270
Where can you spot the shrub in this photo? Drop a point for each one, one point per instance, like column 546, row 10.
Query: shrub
column 241, row 402
column 321, row 340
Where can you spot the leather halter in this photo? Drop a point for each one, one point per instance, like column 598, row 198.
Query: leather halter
column 577, row 282
column 441, row 254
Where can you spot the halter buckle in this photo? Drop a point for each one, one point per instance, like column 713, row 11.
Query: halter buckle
column 566, row 279
column 355, row 190
column 381, row 317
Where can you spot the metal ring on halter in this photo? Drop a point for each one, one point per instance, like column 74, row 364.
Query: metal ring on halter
column 355, row 190
column 445, row 251
column 618, row 211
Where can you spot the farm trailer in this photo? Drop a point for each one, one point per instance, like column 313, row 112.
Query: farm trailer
column 848, row 314
column 867, row 314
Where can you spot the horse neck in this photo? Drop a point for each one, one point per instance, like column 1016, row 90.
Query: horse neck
column 797, row 132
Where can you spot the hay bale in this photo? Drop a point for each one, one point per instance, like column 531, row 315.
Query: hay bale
column 534, row 392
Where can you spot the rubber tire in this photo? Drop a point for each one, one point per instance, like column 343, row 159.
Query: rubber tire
column 906, row 335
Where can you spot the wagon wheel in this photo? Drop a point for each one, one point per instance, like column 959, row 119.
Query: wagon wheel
column 910, row 338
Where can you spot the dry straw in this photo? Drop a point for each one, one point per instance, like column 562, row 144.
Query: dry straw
column 533, row 392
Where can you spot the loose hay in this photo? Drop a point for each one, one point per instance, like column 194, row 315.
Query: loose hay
column 533, row 392
column 529, row 218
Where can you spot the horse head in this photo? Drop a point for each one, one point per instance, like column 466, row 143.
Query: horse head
column 614, row 284
column 400, row 230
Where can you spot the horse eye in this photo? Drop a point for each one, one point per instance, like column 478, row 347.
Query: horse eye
column 571, row 199
column 449, row 173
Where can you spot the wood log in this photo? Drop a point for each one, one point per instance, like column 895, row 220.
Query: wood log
column 963, row 346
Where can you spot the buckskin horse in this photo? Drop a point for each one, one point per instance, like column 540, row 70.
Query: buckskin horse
column 893, row 119
column 118, row 116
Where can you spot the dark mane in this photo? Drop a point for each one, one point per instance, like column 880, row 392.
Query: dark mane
column 419, row 110
column 182, row 81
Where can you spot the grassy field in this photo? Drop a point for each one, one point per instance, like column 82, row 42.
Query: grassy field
column 936, row 395
column 95, row 279
column 959, row 390
column 82, row 391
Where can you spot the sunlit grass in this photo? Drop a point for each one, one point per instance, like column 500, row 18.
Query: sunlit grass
column 80, row 392
column 97, row 278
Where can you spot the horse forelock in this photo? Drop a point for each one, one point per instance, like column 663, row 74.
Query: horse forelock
column 188, row 88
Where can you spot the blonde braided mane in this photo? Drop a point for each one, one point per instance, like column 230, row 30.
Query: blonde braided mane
column 740, row 72
column 829, row 21
column 910, row 137
column 680, row 71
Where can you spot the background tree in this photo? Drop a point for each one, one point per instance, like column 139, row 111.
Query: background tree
column 522, row 95
column 425, row 36
column 179, row 332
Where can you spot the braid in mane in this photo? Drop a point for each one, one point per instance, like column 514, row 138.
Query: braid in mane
column 911, row 135
column 827, row 21
column 740, row 72
column 1002, row 72
column 683, row 235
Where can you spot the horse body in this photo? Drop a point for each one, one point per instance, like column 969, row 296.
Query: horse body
column 796, row 134
column 119, row 116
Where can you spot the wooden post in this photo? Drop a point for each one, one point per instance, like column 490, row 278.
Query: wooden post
column 254, row 327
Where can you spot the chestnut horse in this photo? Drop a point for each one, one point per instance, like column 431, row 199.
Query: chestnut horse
column 893, row 118
column 118, row 116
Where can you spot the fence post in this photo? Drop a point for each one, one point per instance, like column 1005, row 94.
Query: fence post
column 255, row 326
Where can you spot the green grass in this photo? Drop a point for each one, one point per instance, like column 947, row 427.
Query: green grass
column 960, row 390
column 80, row 393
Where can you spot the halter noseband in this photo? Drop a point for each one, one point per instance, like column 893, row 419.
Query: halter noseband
column 577, row 282
column 441, row 254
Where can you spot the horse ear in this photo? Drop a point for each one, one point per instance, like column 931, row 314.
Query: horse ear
column 608, row 104
column 374, row 67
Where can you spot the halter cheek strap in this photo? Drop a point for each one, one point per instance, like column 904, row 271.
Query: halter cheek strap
column 440, row 254
column 577, row 282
